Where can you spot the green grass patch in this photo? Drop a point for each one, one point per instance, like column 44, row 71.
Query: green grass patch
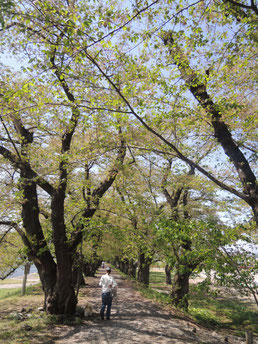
column 216, row 312
column 222, row 312
column 20, row 312
column 7, row 293
column 157, row 278
column 13, row 322
column 16, row 292
column 154, row 295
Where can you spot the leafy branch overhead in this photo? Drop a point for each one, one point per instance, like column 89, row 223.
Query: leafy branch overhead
column 126, row 127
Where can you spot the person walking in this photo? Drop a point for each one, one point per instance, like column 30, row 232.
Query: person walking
column 107, row 282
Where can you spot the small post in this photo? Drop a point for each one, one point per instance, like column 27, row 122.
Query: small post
column 26, row 272
column 249, row 337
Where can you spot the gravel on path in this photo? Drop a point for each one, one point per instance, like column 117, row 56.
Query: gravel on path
column 136, row 320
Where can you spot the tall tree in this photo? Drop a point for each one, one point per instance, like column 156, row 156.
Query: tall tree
column 84, row 88
column 46, row 142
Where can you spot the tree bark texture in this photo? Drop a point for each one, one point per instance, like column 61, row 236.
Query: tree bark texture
column 59, row 294
column 144, row 263
column 168, row 274
column 180, row 286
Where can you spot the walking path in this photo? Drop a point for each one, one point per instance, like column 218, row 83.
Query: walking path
column 16, row 282
column 136, row 320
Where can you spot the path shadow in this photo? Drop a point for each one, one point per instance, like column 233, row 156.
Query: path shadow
column 133, row 320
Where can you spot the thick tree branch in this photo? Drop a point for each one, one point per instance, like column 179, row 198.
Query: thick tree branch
column 18, row 164
column 22, row 234
column 221, row 131
column 86, row 191
column 10, row 138
column 172, row 201
column 185, row 195
column 252, row 7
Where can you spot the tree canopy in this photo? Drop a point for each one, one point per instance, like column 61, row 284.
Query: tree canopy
column 105, row 95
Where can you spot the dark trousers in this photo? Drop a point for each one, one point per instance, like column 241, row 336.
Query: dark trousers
column 106, row 301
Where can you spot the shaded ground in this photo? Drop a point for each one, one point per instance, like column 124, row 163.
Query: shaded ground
column 135, row 320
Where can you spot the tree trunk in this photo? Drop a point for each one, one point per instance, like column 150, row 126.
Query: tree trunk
column 125, row 266
column 132, row 268
column 168, row 274
column 47, row 273
column 254, row 205
column 56, row 279
column 90, row 268
column 180, row 288
column 144, row 269
column 59, row 296
column 63, row 295
column 77, row 276
column 180, row 283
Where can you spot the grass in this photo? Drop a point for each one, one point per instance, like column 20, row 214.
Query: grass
column 7, row 293
column 223, row 312
column 12, row 292
column 216, row 312
column 154, row 295
column 12, row 329
column 157, row 278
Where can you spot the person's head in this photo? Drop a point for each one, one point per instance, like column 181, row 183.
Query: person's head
column 108, row 270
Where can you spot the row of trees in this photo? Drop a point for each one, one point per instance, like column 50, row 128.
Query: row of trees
column 183, row 231
column 142, row 111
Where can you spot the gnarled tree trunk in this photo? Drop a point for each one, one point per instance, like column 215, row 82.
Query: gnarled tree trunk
column 56, row 277
column 180, row 286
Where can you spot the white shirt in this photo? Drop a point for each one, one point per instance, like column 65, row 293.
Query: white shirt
column 107, row 282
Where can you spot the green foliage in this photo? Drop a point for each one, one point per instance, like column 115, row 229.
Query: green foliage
column 12, row 253
column 97, row 73
column 7, row 293
column 174, row 234
column 235, row 265
column 5, row 7
column 232, row 266
column 238, row 270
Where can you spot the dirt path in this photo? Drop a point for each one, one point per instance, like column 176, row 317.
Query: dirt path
column 135, row 320
column 32, row 279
